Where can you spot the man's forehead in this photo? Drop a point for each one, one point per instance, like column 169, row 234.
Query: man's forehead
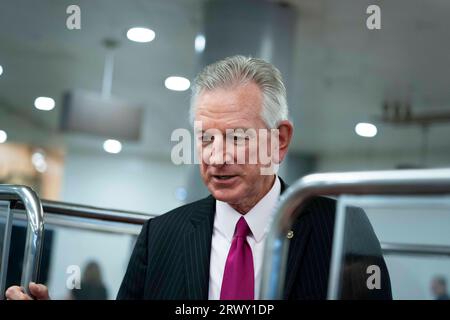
column 229, row 108
column 207, row 108
column 233, row 118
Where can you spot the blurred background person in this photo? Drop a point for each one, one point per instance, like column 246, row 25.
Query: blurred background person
column 92, row 286
column 439, row 288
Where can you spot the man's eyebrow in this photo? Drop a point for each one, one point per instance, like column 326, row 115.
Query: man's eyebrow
column 227, row 129
column 245, row 131
column 202, row 132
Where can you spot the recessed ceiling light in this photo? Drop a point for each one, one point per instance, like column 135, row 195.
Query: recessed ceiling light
column 140, row 34
column 3, row 136
column 112, row 146
column 177, row 83
column 200, row 43
column 1, row 70
column 44, row 103
column 365, row 129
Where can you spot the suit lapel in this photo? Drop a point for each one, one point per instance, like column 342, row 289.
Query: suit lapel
column 297, row 245
column 284, row 185
column 197, row 249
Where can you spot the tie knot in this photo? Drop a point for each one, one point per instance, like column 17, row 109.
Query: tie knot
column 242, row 228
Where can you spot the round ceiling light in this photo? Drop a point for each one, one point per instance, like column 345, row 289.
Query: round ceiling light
column 140, row 34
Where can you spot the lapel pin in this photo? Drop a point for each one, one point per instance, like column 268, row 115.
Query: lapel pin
column 290, row 234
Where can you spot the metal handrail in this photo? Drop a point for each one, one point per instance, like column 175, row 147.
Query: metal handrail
column 24, row 198
column 400, row 182
column 91, row 212
column 35, row 231
column 389, row 248
column 88, row 217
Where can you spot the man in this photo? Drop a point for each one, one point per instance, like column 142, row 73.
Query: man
column 213, row 248
column 439, row 288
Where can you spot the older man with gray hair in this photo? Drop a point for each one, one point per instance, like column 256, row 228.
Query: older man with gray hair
column 213, row 248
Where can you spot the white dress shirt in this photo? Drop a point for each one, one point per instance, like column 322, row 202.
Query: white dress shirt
column 258, row 219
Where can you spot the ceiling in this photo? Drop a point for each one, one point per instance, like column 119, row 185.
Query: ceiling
column 341, row 71
column 344, row 71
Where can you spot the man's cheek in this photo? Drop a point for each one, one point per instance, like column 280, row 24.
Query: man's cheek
column 205, row 154
column 253, row 157
column 203, row 168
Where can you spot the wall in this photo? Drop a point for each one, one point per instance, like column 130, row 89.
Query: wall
column 122, row 182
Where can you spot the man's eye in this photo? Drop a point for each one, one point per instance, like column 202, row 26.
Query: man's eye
column 239, row 139
column 207, row 138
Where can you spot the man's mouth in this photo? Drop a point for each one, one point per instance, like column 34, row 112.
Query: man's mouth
column 223, row 177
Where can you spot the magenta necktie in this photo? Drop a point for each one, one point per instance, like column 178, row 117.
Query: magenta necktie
column 238, row 281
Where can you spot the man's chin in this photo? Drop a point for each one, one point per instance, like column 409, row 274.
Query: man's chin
column 228, row 196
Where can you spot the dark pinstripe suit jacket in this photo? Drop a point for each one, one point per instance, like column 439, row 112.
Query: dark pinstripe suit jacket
column 171, row 256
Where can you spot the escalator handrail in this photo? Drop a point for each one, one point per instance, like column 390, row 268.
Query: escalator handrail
column 395, row 182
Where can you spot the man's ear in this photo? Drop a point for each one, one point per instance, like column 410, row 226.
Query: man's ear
column 285, row 132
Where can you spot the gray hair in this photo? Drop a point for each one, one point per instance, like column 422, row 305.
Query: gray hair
column 239, row 70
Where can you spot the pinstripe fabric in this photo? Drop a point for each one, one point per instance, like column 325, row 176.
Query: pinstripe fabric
column 310, row 254
column 171, row 256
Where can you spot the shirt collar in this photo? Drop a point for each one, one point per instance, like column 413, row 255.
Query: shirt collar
column 257, row 218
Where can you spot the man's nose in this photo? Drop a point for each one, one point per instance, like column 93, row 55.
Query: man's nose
column 219, row 155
